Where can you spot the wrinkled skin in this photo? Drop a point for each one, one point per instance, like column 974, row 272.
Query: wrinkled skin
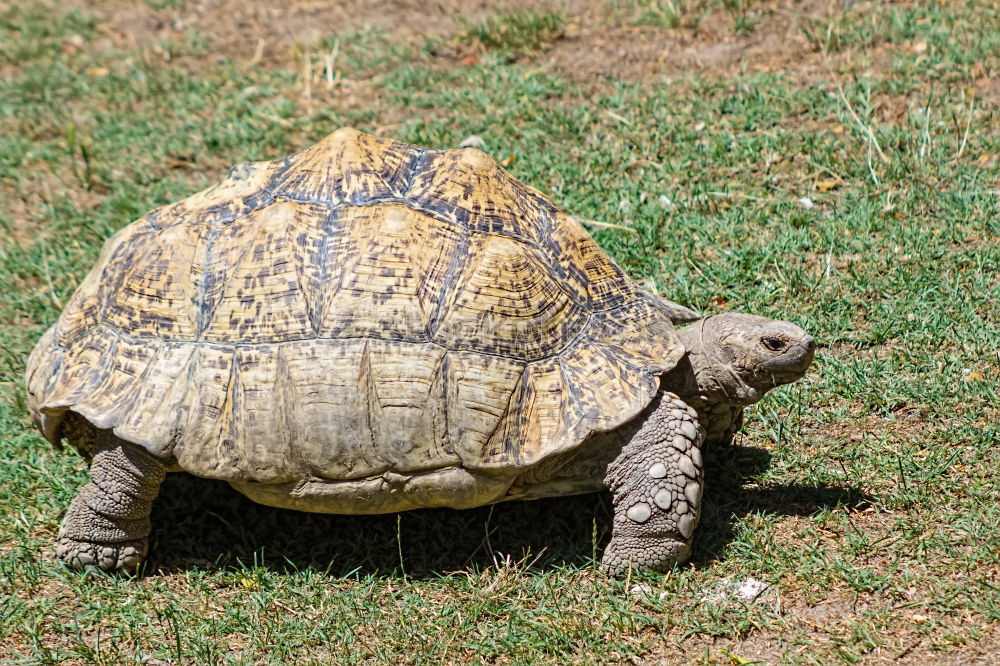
column 657, row 479
column 733, row 360
column 736, row 358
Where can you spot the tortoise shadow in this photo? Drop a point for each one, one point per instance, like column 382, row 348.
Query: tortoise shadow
column 200, row 523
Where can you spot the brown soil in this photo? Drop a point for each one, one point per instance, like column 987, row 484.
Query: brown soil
column 599, row 41
column 824, row 624
column 614, row 47
column 260, row 30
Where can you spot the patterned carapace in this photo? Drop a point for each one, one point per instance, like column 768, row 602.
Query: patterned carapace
column 365, row 306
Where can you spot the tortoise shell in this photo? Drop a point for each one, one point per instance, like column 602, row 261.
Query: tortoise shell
column 363, row 307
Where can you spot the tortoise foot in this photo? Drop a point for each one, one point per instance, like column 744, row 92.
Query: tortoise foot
column 658, row 555
column 126, row 555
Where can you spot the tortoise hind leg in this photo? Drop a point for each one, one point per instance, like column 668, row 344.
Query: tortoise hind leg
column 656, row 482
column 107, row 524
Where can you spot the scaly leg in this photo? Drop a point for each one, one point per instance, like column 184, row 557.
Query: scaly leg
column 656, row 482
column 107, row 524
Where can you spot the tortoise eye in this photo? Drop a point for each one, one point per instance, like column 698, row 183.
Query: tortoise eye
column 773, row 343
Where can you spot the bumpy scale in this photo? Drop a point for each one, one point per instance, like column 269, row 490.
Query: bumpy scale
column 107, row 524
column 656, row 482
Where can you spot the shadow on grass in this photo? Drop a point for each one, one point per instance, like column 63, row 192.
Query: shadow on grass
column 206, row 524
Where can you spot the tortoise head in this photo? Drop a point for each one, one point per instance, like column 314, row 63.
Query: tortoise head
column 737, row 358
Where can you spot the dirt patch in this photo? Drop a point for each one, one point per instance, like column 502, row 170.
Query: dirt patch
column 600, row 41
column 614, row 47
column 25, row 203
column 275, row 31
column 19, row 229
column 787, row 36
column 908, row 646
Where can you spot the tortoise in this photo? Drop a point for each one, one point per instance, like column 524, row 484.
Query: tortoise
column 369, row 327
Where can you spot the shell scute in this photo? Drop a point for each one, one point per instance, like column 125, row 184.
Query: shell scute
column 506, row 303
column 531, row 429
column 250, row 284
column 244, row 189
column 121, row 378
column 84, row 368
column 586, row 269
column 407, row 402
column 468, row 187
column 389, row 267
column 350, row 167
column 330, row 382
column 640, row 335
column 156, row 416
column 480, row 392
column 88, row 305
column 152, row 299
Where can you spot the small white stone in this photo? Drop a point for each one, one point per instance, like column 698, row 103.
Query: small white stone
column 665, row 202
column 688, row 468
column 689, row 430
column 641, row 590
column 696, row 457
column 686, row 526
column 693, row 493
column 663, row 498
column 658, row 471
column 639, row 512
column 806, row 202
column 751, row 588
column 473, row 141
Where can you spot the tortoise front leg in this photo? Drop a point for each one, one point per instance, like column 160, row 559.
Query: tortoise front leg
column 656, row 482
column 107, row 524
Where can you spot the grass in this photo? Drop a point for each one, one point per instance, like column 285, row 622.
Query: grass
column 690, row 13
column 668, row 13
column 865, row 496
column 521, row 31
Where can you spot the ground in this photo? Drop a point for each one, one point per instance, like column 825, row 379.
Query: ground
column 835, row 164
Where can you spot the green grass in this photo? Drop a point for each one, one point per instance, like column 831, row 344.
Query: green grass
column 518, row 31
column 866, row 495
column 744, row 14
